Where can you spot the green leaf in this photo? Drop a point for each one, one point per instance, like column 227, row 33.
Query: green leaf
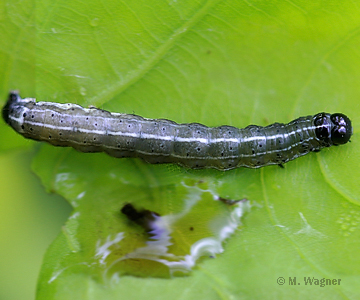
column 212, row 62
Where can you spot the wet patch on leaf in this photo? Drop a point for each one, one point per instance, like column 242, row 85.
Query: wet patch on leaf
column 166, row 245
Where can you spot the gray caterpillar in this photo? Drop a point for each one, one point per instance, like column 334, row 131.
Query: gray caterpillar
column 192, row 145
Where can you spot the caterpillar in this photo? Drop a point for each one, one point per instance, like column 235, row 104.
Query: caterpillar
column 191, row 145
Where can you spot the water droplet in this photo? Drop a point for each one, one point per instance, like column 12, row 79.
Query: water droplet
column 94, row 22
column 82, row 91
column 340, row 220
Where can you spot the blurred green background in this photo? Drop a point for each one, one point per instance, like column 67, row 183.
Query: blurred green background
column 30, row 219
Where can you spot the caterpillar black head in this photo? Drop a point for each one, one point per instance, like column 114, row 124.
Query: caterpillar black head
column 333, row 129
column 342, row 129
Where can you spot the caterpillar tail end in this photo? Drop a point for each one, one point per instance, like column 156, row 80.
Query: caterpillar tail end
column 13, row 97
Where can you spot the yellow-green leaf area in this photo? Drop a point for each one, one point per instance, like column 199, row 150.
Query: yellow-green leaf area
column 217, row 63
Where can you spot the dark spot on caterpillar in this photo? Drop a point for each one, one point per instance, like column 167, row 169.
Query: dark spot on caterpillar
column 84, row 142
column 231, row 148
column 95, row 124
column 52, row 115
column 222, row 153
column 49, row 136
column 32, row 116
column 260, row 145
column 198, row 132
column 31, row 129
column 198, row 149
column 24, row 115
column 163, row 129
column 61, row 121
column 129, row 125
column 120, row 121
column 279, row 141
column 253, row 151
column 94, row 138
column 60, row 133
column 22, row 126
column 72, row 108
